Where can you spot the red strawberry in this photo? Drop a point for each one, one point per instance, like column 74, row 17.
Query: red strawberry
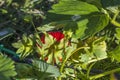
column 57, row 35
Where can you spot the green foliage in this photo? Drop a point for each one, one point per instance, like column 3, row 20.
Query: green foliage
column 91, row 41
column 115, row 53
column 99, row 50
column 118, row 33
column 96, row 22
column 7, row 68
column 84, row 23
column 24, row 46
column 46, row 68
column 75, row 7
column 38, row 70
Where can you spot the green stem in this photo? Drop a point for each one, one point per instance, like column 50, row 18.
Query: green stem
column 63, row 64
column 104, row 74
column 115, row 16
column 113, row 21
column 88, row 71
column 94, row 60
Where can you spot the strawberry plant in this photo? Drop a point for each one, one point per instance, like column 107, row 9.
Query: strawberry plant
column 77, row 40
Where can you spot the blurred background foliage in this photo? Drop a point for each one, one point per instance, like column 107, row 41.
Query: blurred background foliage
column 21, row 15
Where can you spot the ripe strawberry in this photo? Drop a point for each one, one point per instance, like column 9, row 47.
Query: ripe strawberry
column 56, row 34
